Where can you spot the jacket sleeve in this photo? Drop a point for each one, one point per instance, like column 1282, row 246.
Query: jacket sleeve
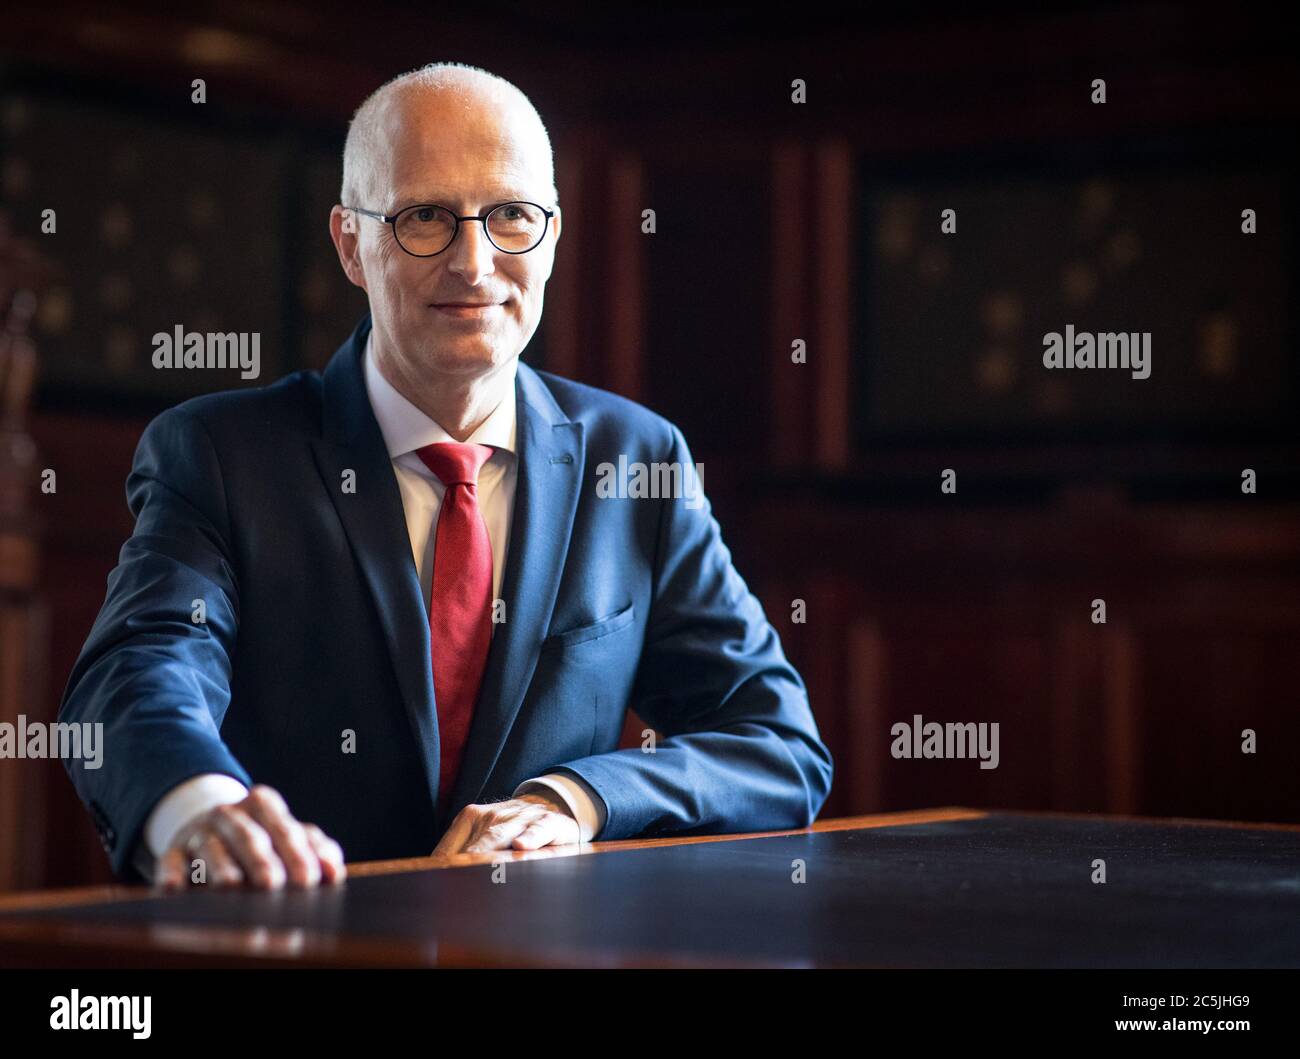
column 742, row 751
column 155, row 676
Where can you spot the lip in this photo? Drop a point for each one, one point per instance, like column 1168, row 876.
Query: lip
column 466, row 309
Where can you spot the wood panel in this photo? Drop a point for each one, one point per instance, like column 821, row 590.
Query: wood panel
column 986, row 616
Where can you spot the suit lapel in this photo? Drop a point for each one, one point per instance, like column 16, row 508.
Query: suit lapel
column 375, row 522
column 549, row 475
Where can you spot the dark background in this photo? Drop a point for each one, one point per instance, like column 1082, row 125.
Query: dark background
column 776, row 222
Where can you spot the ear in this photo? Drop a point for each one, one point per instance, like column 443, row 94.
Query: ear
column 346, row 234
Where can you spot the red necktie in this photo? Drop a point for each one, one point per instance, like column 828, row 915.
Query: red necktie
column 460, row 605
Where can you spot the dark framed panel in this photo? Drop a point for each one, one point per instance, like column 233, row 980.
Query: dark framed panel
column 200, row 216
column 1118, row 237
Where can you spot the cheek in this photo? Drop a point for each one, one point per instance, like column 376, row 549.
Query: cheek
column 390, row 265
column 530, row 294
column 378, row 268
column 396, row 286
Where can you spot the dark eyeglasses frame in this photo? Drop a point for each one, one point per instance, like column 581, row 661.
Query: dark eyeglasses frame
column 482, row 218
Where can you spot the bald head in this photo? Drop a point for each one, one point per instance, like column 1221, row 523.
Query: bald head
column 454, row 98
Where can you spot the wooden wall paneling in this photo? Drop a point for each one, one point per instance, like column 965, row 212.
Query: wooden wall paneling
column 24, row 632
column 708, row 289
column 1204, row 678
column 1064, row 708
column 790, row 389
column 12, row 771
column 625, row 291
column 1095, row 721
column 832, row 353
column 1122, row 705
column 966, row 663
column 1141, row 714
column 566, row 307
column 1017, row 674
column 867, row 713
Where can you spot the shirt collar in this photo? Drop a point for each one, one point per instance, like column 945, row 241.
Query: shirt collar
column 406, row 428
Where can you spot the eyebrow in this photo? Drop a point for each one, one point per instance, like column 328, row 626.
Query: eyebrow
column 498, row 197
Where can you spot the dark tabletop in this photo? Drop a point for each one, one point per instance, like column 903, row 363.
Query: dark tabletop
column 999, row 891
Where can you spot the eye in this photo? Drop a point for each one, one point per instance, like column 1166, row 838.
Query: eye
column 425, row 213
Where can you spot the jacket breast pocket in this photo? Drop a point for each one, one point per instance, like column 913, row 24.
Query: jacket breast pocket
column 585, row 634
column 579, row 690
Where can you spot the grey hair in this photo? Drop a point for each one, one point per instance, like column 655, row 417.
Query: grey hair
column 363, row 142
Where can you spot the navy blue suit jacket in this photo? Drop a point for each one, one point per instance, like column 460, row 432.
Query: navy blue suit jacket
column 315, row 625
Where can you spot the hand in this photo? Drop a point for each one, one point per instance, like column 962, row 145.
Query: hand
column 255, row 841
column 527, row 822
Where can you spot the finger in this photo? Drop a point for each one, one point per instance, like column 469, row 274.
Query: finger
column 554, row 829
column 328, row 852
column 502, row 826
column 169, row 871
column 219, row 867
column 265, row 805
column 461, row 829
column 249, row 844
column 496, row 820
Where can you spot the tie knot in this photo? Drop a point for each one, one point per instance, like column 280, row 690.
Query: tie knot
column 454, row 462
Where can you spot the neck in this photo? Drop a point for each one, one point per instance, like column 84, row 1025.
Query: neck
column 458, row 403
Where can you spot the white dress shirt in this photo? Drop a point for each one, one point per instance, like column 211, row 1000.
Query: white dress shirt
column 405, row 429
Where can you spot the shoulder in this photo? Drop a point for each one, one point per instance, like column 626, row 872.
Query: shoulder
column 608, row 418
column 291, row 405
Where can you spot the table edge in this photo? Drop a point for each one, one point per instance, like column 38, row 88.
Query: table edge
column 36, row 900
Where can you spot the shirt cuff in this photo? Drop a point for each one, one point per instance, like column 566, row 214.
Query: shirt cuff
column 180, row 805
column 584, row 804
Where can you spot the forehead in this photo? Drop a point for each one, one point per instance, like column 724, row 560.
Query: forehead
column 454, row 149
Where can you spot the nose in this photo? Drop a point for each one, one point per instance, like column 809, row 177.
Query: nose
column 471, row 254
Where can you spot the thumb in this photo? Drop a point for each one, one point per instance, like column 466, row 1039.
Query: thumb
column 454, row 840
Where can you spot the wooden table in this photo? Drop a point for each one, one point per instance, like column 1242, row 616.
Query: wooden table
column 930, row 888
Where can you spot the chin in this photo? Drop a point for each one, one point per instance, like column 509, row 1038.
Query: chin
column 475, row 359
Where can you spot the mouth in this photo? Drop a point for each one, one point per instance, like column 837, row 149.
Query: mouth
column 466, row 309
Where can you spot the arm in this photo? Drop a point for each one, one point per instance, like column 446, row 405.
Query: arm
column 742, row 751
column 158, row 681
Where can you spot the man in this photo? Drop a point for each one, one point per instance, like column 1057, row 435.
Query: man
column 398, row 600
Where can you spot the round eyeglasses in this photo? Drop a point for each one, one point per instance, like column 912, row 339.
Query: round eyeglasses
column 426, row 229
